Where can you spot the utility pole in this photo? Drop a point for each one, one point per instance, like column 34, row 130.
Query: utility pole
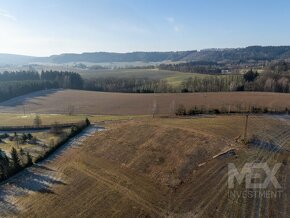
column 246, row 128
column 205, row 103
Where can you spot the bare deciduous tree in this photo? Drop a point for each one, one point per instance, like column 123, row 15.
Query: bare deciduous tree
column 37, row 121
column 172, row 108
column 70, row 110
column 155, row 109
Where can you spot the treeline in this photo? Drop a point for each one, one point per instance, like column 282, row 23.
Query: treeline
column 201, row 67
column 181, row 110
column 19, row 76
column 266, row 82
column 250, row 81
column 132, row 85
column 213, row 84
column 70, row 80
column 13, row 84
column 10, row 89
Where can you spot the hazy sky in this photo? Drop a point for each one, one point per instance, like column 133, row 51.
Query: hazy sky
column 44, row 27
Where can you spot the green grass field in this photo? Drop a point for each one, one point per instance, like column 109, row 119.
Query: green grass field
column 129, row 73
column 173, row 78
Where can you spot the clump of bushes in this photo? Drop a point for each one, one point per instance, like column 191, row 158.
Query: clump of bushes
column 182, row 111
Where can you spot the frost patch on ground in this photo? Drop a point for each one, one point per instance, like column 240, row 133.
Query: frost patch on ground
column 35, row 179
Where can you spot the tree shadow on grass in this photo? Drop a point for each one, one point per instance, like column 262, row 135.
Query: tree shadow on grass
column 37, row 179
column 21, row 100
column 7, row 208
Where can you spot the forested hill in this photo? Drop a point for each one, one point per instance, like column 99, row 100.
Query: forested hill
column 101, row 57
column 252, row 53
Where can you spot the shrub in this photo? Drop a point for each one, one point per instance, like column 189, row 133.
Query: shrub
column 181, row 110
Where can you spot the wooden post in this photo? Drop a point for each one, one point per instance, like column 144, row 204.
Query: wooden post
column 246, row 128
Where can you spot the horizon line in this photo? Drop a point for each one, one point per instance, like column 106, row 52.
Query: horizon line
column 140, row 51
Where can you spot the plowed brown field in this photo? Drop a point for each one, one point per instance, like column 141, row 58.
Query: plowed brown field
column 99, row 103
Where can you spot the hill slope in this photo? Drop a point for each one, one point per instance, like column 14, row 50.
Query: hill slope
column 7, row 59
column 148, row 169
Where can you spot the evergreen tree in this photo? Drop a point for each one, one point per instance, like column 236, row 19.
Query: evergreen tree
column 4, row 165
column 24, row 137
column 16, row 163
column 29, row 160
column 250, row 76
column 87, row 122
column 21, row 151
column 29, row 136
column 37, row 121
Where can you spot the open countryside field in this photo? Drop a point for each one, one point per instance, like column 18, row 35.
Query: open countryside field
column 153, row 168
column 173, row 78
column 130, row 73
column 100, row 103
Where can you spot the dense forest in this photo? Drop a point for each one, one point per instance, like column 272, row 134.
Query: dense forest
column 13, row 84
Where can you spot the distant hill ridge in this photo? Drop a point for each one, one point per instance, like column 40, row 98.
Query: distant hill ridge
column 251, row 53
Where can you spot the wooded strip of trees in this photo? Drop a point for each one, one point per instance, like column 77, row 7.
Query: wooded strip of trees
column 128, row 85
column 10, row 89
column 13, row 84
column 201, row 67
column 181, row 110
column 251, row 81
column 213, row 84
